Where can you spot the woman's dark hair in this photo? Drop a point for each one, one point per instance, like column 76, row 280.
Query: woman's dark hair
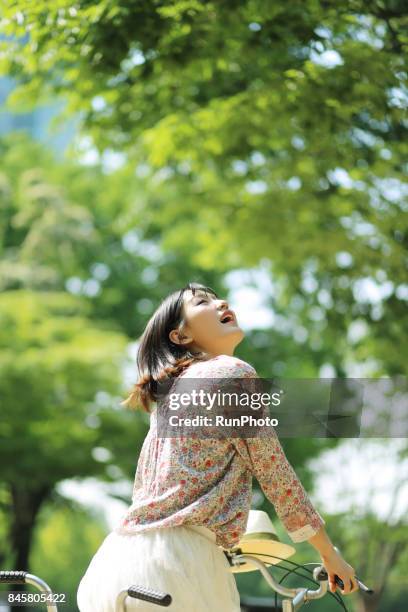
column 158, row 357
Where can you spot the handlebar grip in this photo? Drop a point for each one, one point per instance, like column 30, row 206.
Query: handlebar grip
column 156, row 597
column 322, row 575
column 12, row 577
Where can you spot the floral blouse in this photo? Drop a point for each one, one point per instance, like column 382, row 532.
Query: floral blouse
column 208, row 482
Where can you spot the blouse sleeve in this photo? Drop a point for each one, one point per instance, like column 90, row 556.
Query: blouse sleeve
column 266, row 459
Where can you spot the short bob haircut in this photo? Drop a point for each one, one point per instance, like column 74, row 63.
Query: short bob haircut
column 158, row 357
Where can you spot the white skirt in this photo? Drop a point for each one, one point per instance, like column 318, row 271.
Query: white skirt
column 184, row 561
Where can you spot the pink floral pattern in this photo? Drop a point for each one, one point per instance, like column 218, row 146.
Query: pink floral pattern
column 209, row 481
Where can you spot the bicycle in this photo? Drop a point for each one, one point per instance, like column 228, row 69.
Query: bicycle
column 259, row 542
column 295, row 598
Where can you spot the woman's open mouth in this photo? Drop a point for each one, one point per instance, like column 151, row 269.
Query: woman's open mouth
column 227, row 317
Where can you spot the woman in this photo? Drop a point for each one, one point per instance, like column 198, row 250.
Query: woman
column 192, row 496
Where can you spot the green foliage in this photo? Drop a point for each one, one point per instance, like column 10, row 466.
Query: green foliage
column 66, row 225
column 271, row 132
column 53, row 361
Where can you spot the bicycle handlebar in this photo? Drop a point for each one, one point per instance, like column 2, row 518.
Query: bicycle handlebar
column 21, row 577
column 323, row 576
column 12, row 577
column 297, row 596
column 137, row 592
column 157, row 597
column 293, row 593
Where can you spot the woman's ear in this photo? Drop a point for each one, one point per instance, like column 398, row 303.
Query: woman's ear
column 177, row 337
column 174, row 337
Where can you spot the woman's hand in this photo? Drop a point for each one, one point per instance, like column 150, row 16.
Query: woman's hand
column 336, row 565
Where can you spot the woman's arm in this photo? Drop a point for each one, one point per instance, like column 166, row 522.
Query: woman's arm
column 300, row 518
column 265, row 458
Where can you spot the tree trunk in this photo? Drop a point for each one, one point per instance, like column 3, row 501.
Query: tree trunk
column 26, row 504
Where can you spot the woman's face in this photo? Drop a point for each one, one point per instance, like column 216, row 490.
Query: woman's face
column 203, row 329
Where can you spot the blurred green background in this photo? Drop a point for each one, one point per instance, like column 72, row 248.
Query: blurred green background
column 257, row 147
